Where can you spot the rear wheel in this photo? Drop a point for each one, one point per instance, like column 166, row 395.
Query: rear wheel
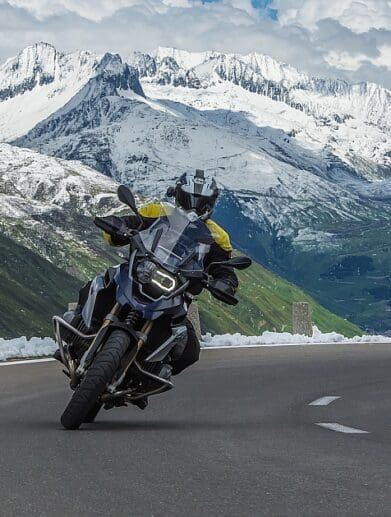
column 86, row 396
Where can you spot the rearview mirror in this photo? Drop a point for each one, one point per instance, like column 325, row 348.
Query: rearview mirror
column 236, row 262
column 126, row 196
column 239, row 262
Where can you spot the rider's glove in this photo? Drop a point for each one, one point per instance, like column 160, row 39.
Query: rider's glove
column 222, row 285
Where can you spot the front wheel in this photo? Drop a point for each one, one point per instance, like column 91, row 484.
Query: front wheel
column 97, row 377
column 93, row 413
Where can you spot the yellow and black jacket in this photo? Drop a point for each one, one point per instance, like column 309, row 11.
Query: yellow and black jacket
column 220, row 250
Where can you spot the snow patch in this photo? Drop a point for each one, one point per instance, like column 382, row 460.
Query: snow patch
column 39, row 347
column 23, row 347
column 285, row 338
column 309, row 239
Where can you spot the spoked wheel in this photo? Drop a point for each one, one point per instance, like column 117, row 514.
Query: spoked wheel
column 85, row 399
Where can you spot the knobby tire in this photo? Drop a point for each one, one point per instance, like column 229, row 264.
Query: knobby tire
column 85, row 399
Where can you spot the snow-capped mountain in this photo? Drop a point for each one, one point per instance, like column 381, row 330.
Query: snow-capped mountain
column 32, row 184
column 47, row 205
column 220, row 126
column 41, row 80
column 304, row 162
column 354, row 121
column 264, row 75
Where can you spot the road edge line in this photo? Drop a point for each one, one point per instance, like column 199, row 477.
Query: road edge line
column 26, row 361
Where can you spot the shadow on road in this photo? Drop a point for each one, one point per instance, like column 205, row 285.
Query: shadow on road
column 146, row 425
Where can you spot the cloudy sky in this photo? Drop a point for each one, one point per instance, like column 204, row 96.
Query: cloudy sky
column 339, row 38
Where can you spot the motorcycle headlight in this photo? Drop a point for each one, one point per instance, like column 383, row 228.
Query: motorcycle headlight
column 149, row 273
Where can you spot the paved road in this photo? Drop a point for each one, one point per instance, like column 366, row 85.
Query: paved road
column 235, row 438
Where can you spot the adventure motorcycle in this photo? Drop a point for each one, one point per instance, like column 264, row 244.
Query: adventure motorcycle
column 117, row 364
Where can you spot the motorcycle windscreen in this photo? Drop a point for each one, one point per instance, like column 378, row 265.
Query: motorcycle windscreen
column 176, row 238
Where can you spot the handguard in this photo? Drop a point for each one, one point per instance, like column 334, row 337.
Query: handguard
column 219, row 289
column 112, row 225
column 109, row 224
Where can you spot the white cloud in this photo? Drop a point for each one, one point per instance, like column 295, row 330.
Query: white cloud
column 337, row 38
column 357, row 15
column 384, row 58
column 352, row 33
column 345, row 61
column 96, row 10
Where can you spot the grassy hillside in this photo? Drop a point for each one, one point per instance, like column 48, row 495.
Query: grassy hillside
column 32, row 289
column 266, row 304
column 345, row 266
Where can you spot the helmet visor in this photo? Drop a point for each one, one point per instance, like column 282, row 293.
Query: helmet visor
column 199, row 203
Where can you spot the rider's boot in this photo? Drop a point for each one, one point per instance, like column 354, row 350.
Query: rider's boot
column 141, row 403
column 164, row 371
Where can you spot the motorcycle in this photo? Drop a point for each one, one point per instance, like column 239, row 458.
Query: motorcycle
column 117, row 363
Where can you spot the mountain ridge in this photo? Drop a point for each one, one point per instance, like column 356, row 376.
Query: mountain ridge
column 262, row 74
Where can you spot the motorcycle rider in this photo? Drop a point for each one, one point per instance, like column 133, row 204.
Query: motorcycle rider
column 196, row 193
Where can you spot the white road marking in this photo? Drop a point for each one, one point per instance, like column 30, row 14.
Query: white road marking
column 341, row 428
column 273, row 345
column 264, row 345
column 27, row 361
column 324, row 401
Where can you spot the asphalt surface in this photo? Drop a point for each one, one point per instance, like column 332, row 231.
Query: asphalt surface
column 235, row 438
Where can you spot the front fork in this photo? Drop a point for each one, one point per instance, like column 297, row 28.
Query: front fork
column 142, row 339
column 111, row 319
column 97, row 340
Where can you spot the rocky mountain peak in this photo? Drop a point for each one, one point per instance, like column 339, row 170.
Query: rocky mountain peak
column 35, row 65
column 118, row 75
column 326, row 99
column 44, row 81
